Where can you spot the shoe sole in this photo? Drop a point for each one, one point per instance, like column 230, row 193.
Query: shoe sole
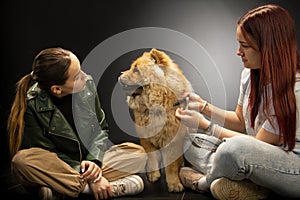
column 225, row 189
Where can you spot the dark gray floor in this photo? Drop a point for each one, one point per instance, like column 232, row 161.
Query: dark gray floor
column 152, row 191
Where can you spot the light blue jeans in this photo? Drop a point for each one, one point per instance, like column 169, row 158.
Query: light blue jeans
column 243, row 157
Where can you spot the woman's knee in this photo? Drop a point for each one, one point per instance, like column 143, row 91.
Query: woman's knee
column 130, row 147
column 135, row 151
column 234, row 148
column 27, row 157
column 20, row 159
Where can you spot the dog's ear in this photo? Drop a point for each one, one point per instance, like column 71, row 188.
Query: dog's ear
column 160, row 57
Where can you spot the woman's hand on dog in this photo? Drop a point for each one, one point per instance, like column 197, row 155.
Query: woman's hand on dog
column 195, row 101
column 192, row 118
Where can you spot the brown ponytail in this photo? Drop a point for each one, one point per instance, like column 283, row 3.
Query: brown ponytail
column 16, row 117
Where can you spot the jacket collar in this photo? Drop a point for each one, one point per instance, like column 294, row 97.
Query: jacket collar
column 42, row 98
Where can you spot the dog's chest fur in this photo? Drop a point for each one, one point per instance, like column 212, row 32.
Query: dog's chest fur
column 154, row 115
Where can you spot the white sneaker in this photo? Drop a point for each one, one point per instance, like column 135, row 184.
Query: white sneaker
column 129, row 185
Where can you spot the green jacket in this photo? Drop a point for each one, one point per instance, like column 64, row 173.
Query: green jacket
column 47, row 128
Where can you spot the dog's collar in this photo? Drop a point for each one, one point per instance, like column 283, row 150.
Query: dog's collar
column 138, row 91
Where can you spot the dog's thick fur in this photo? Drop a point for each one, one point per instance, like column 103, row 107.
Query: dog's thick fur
column 155, row 84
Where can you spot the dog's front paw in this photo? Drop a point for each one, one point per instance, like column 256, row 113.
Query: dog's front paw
column 175, row 187
column 153, row 176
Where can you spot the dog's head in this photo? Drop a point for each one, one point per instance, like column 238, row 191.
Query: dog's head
column 153, row 67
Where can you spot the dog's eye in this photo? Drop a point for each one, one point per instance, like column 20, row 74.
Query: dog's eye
column 136, row 70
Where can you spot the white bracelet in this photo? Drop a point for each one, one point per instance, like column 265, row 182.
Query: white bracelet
column 204, row 106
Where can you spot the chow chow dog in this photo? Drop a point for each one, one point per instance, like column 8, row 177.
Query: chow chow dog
column 154, row 85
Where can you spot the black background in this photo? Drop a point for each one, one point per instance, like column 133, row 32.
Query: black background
column 29, row 26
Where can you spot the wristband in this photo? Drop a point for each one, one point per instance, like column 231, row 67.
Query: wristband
column 213, row 130
column 208, row 130
column 204, row 106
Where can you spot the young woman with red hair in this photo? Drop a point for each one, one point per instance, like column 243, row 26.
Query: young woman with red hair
column 257, row 150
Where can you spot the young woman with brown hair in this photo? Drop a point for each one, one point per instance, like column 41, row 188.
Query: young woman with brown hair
column 58, row 135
